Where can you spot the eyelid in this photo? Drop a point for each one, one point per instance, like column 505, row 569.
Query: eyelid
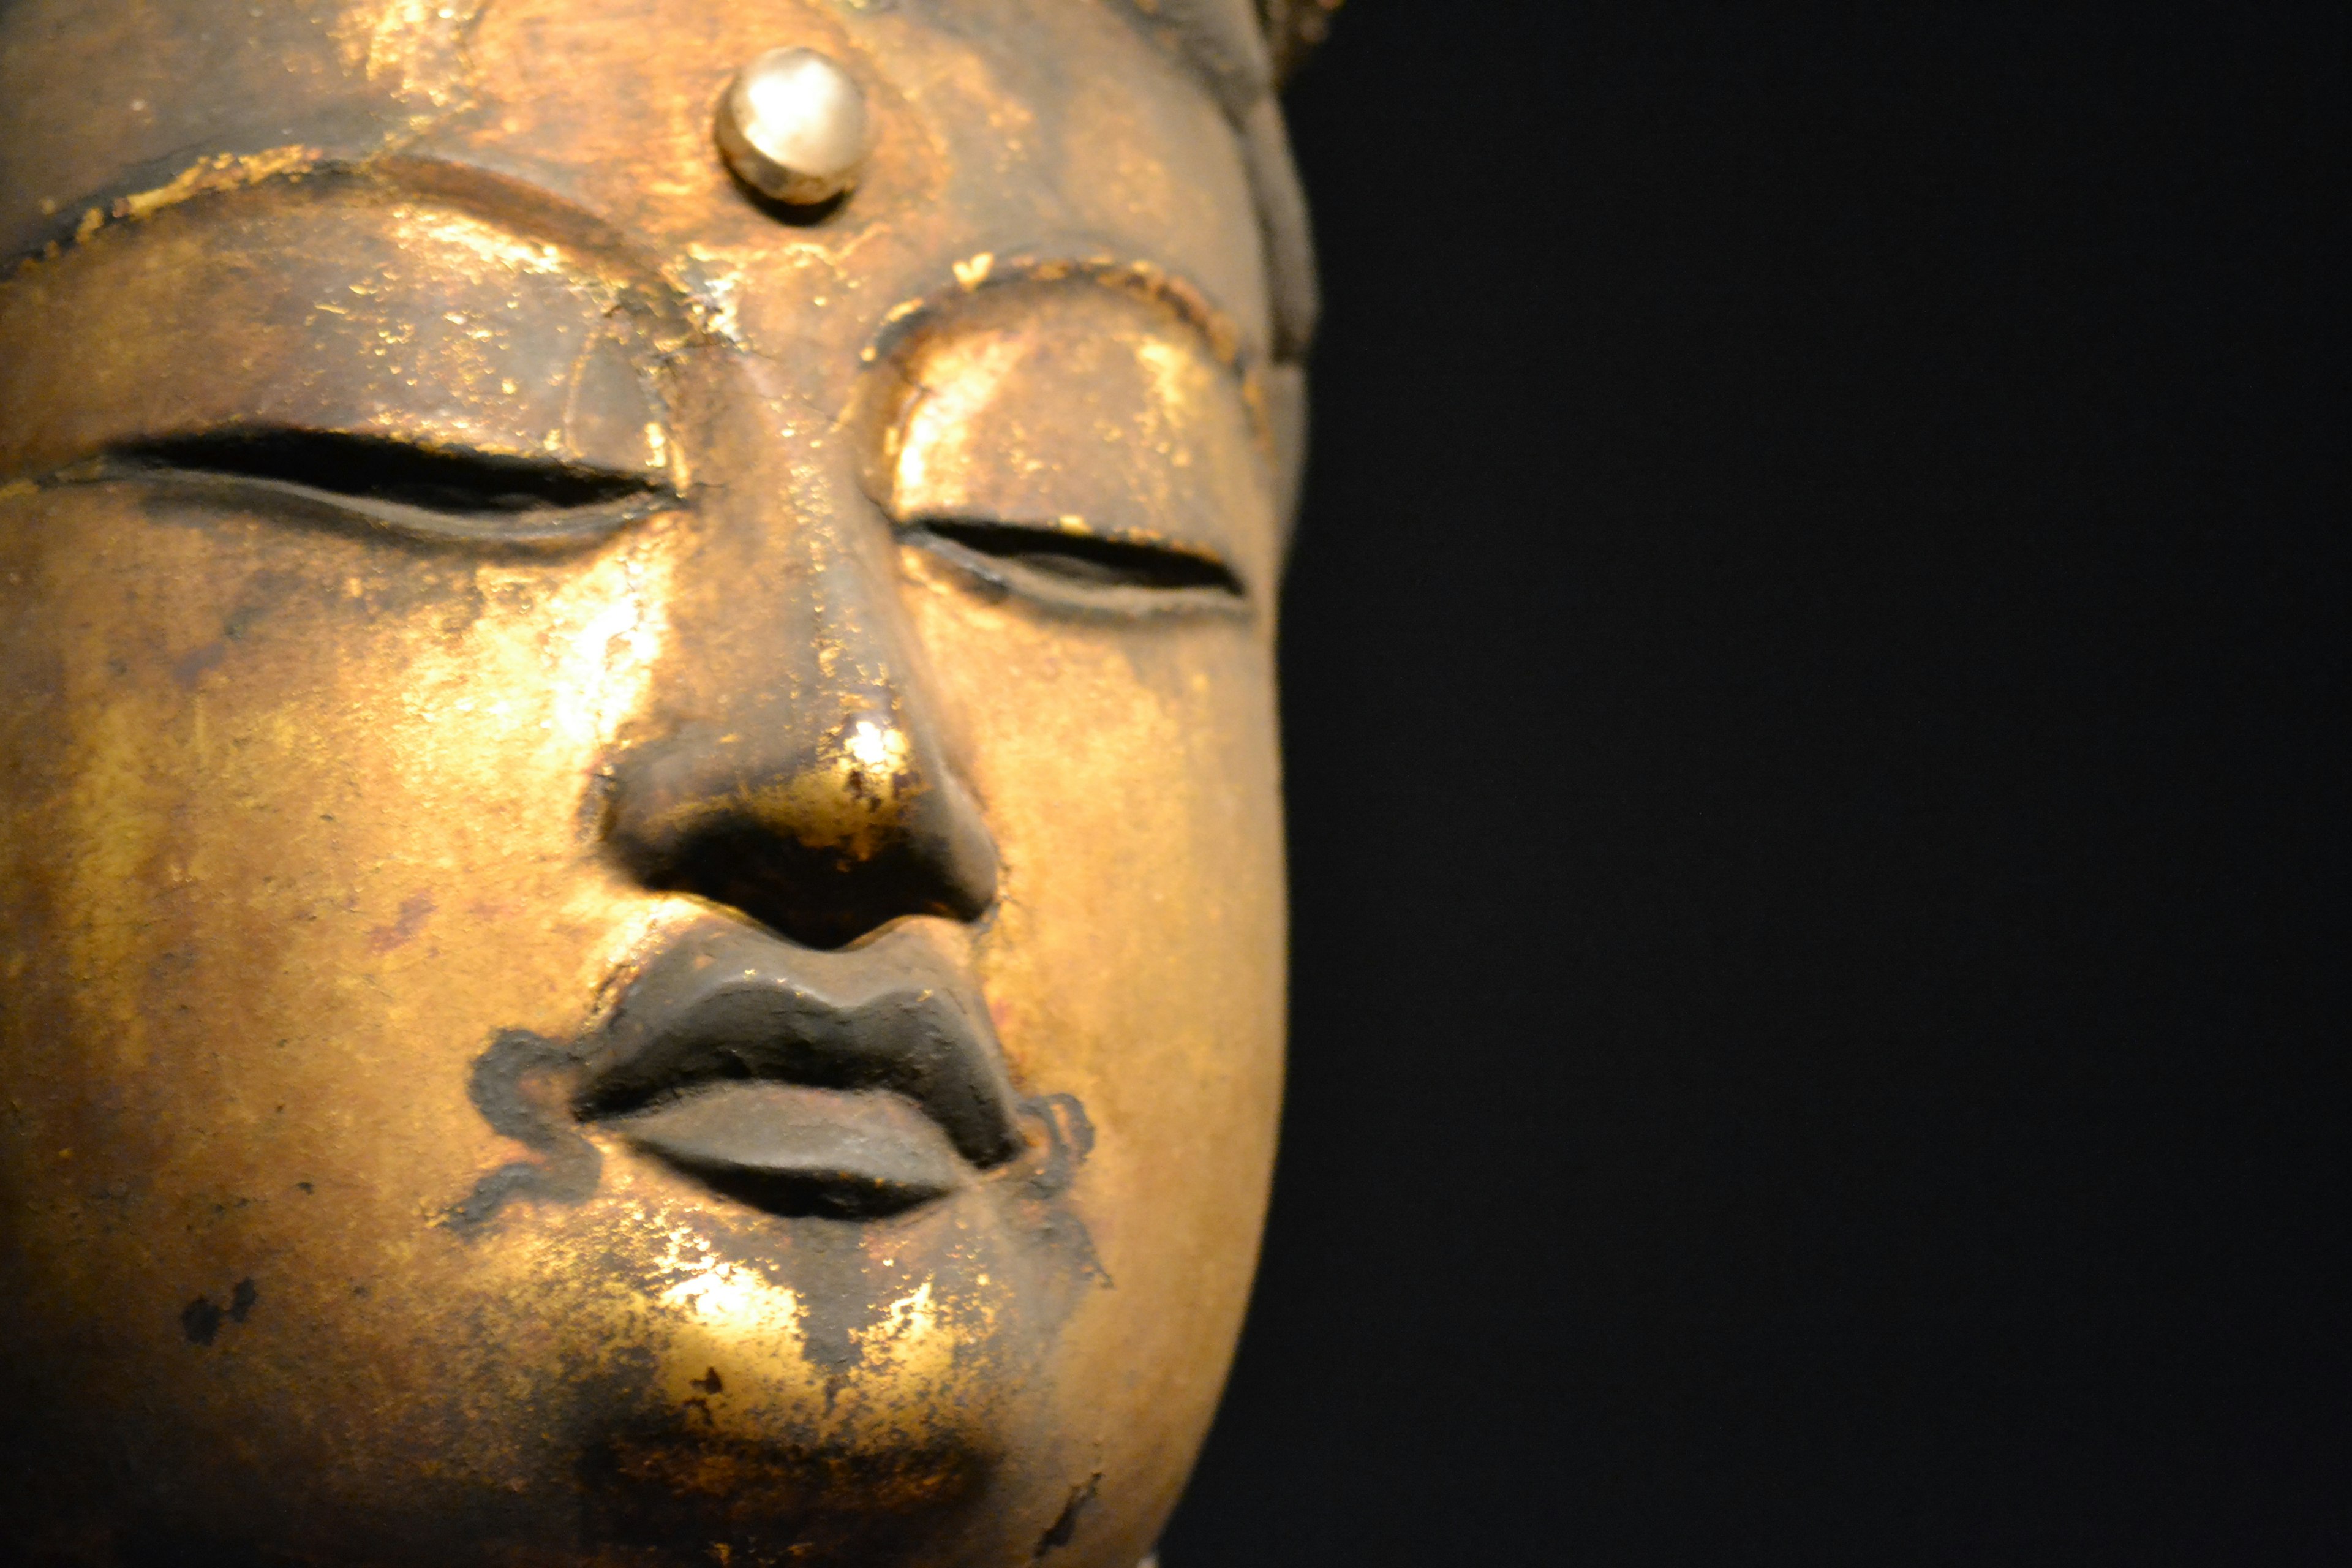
column 1086, row 572
column 1173, row 566
column 1073, row 441
column 337, row 308
column 428, row 494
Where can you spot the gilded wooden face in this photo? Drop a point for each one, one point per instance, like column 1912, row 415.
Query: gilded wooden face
column 643, row 913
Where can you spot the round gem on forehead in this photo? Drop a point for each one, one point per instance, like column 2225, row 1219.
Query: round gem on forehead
column 792, row 125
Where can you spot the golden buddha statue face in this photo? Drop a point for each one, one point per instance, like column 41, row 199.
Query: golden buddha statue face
column 643, row 913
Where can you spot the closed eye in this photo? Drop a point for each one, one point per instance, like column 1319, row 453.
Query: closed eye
column 1085, row 570
column 425, row 492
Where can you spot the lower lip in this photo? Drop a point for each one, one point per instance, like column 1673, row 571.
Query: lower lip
column 795, row 1150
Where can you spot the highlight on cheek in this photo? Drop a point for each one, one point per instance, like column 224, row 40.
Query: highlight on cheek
column 511, row 707
column 604, row 666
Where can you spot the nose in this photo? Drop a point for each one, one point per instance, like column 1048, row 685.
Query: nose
column 791, row 761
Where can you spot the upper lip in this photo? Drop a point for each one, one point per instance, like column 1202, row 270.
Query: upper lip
column 862, row 1081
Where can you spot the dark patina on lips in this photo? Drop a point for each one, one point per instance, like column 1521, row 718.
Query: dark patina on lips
column 856, row 1082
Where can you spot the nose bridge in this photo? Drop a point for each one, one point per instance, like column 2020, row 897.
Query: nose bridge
column 794, row 762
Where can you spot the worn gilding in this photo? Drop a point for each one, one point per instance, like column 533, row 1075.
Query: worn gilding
column 644, row 916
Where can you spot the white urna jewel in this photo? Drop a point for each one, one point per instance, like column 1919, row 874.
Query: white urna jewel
column 792, row 125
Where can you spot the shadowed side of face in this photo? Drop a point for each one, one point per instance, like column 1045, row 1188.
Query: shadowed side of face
column 642, row 915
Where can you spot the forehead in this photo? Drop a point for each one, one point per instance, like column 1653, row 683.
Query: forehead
column 1011, row 128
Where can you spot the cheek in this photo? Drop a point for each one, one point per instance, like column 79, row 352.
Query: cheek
column 305, row 827
column 1137, row 959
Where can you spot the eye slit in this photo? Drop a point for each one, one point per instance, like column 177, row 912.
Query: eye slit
column 1087, row 559
column 374, row 468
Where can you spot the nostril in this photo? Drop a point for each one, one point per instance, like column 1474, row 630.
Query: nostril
column 822, row 896
column 822, row 867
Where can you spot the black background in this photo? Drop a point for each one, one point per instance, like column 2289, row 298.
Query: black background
column 1811, row 672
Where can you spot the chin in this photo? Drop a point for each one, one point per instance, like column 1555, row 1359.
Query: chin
column 651, row 1375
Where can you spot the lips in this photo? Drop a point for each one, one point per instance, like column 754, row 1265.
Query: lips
column 855, row 1083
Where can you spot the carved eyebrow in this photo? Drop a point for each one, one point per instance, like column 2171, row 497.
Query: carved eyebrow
column 532, row 215
column 1142, row 279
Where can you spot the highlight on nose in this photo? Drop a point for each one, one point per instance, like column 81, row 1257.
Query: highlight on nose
column 821, row 839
